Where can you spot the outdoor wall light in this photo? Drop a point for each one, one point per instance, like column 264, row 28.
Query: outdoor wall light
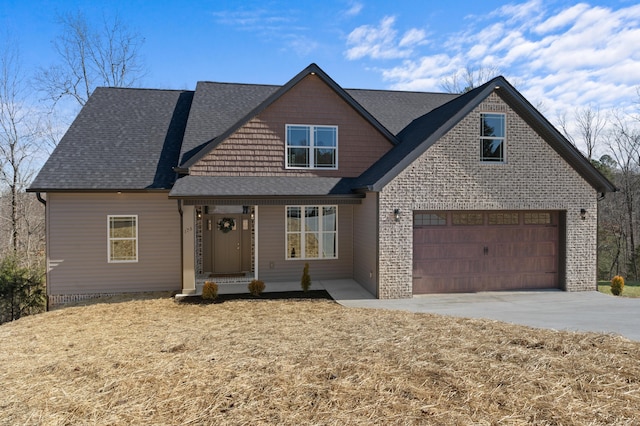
column 199, row 213
column 396, row 215
column 583, row 214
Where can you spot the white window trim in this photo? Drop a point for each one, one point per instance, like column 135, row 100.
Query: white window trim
column 504, row 139
column 311, row 147
column 321, row 232
column 109, row 239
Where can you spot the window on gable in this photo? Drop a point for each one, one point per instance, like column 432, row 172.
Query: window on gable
column 312, row 232
column 492, row 138
column 312, row 147
column 122, row 239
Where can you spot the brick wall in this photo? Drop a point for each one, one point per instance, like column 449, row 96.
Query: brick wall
column 449, row 176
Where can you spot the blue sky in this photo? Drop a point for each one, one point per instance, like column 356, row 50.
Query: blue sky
column 560, row 54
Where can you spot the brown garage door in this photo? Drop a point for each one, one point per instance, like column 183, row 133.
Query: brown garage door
column 471, row 251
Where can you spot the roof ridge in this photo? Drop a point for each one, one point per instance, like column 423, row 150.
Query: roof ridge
column 230, row 83
column 403, row 91
column 149, row 89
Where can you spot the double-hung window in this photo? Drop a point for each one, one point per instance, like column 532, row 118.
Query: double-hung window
column 492, row 138
column 312, row 232
column 122, row 238
column 312, row 147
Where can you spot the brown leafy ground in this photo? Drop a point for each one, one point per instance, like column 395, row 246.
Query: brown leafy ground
column 305, row 362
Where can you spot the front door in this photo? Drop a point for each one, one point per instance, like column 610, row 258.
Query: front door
column 222, row 243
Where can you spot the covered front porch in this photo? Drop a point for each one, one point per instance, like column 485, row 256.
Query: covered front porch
column 219, row 245
column 235, row 229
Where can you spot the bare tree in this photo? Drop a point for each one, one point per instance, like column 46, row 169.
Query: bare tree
column 90, row 57
column 19, row 132
column 589, row 125
column 624, row 147
column 468, row 79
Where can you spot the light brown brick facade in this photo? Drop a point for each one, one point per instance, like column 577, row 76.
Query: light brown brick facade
column 449, row 176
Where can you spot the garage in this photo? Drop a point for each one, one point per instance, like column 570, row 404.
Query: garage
column 471, row 251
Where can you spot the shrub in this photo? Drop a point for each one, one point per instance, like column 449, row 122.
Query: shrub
column 210, row 291
column 22, row 290
column 256, row 287
column 617, row 284
column 305, row 281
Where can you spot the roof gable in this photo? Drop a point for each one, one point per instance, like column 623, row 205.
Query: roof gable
column 312, row 69
column 258, row 147
column 424, row 131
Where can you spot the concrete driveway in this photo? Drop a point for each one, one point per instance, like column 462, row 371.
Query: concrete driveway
column 552, row 309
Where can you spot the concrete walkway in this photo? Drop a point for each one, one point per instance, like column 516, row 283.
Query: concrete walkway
column 552, row 309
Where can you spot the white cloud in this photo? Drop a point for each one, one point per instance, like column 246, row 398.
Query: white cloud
column 272, row 25
column 564, row 57
column 301, row 45
column 562, row 19
column 515, row 12
column 412, row 37
column 354, row 8
column 253, row 20
column 381, row 42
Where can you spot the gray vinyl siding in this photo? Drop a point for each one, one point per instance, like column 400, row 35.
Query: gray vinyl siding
column 77, row 244
column 365, row 241
column 271, row 249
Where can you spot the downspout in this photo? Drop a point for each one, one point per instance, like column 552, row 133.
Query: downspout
column 42, row 200
column 377, row 244
column 600, row 198
column 46, row 248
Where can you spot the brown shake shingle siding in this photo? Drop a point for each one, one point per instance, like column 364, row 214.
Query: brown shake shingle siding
column 258, row 147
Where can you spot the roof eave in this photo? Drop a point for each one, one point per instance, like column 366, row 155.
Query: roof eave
column 264, row 197
column 98, row 190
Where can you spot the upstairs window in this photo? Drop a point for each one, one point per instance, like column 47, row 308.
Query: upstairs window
column 312, row 147
column 492, row 138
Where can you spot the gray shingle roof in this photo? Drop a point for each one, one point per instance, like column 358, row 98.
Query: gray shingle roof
column 216, row 107
column 131, row 139
column 123, row 139
column 395, row 109
column 258, row 186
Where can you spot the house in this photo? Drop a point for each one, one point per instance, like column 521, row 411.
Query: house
column 403, row 192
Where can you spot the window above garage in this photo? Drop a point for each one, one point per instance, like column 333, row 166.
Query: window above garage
column 492, row 138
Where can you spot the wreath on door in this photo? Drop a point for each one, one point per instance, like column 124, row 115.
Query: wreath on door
column 226, row 224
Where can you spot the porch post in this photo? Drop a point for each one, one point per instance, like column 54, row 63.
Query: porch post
column 188, row 250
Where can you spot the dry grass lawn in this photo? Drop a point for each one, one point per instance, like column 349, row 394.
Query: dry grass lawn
column 305, row 362
column 631, row 288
